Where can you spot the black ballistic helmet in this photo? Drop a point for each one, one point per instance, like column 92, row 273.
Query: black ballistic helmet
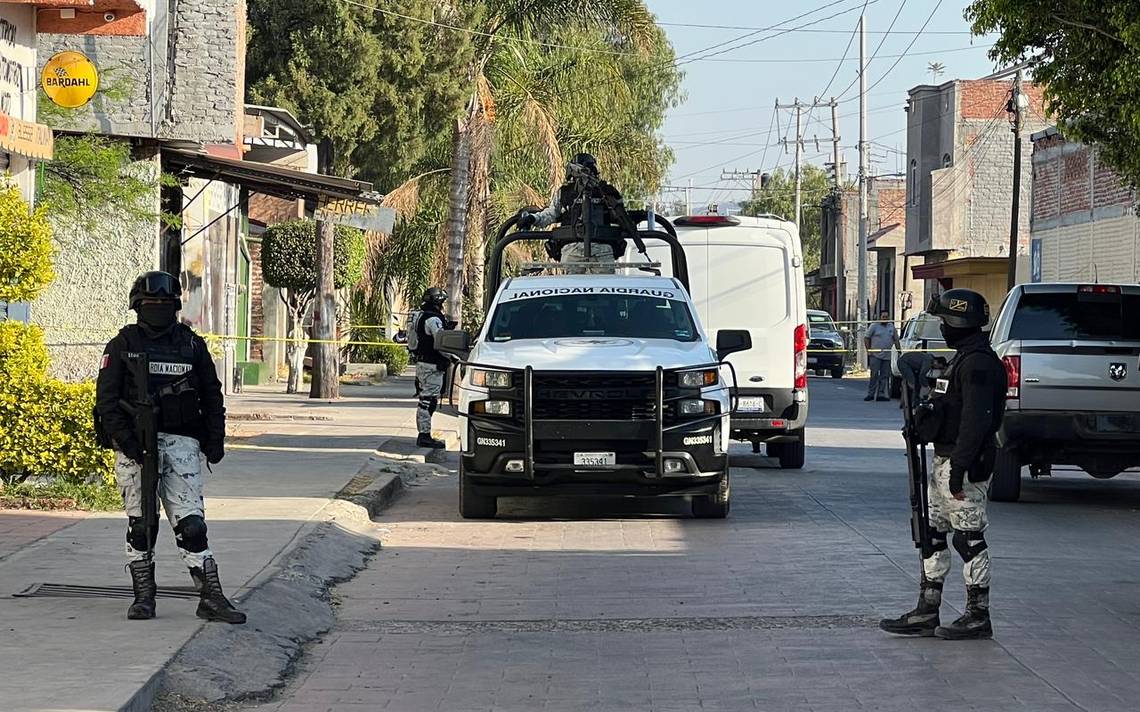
column 588, row 162
column 435, row 297
column 961, row 309
column 156, row 285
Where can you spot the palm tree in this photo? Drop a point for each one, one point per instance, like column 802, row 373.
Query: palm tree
column 628, row 23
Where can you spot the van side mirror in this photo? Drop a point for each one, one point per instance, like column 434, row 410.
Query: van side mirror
column 454, row 343
column 730, row 341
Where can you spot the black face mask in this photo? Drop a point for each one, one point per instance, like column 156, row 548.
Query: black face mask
column 157, row 316
column 954, row 335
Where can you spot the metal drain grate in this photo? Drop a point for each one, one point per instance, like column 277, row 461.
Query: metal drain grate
column 65, row 590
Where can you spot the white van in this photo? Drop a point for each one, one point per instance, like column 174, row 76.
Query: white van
column 747, row 273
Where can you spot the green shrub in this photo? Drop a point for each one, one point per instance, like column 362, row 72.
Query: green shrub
column 23, row 355
column 289, row 253
column 25, row 248
column 393, row 356
column 46, row 429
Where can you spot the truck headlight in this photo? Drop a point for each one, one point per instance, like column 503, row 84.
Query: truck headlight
column 490, row 379
column 698, row 379
column 697, row 407
column 491, row 407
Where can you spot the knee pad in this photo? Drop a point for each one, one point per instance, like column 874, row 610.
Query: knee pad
column 190, row 533
column 938, row 541
column 969, row 544
column 137, row 534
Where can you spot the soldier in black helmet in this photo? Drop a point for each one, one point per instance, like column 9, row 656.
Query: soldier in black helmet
column 431, row 365
column 963, row 416
column 184, row 385
column 566, row 209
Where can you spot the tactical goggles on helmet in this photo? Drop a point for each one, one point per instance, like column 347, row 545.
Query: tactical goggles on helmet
column 160, row 285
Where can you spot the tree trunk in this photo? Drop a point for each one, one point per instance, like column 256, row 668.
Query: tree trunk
column 295, row 347
column 479, row 203
column 326, row 361
column 457, row 214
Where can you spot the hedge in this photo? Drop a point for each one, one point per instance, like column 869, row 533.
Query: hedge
column 393, row 356
column 46, row 429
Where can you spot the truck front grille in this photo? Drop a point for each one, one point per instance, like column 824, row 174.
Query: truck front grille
column 594, row 396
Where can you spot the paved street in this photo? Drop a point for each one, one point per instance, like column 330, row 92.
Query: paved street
column 611, row 606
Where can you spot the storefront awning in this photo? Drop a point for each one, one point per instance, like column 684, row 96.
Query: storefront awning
column 268, row 178
column 961, row 267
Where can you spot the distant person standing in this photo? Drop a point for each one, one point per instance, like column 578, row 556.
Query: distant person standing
column 431, row 365
column 879, row 339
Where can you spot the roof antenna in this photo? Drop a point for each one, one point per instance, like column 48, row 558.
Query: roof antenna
column 1096, row 280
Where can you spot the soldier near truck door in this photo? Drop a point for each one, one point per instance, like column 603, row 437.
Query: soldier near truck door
column 159, row 405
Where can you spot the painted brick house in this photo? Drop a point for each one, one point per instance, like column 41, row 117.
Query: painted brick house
column 1084, row 226
column 960, row 183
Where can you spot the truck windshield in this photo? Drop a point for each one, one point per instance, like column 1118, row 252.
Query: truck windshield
column 593, row 315
column 1063, row 316
column 821, row 322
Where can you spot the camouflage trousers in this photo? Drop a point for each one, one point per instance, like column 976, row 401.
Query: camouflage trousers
column 430, row 380
column 179, row 488
column 576, row 252
column 964, row 520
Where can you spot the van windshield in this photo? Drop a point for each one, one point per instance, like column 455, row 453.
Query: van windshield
column 1061, row 316
column 593, row 315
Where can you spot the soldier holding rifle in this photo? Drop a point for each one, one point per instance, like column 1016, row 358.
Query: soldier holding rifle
column 159, row 405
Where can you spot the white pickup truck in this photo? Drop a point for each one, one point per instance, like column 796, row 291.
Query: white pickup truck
column 593, row 384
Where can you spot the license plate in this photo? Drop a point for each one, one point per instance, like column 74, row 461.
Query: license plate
column 751, row 405
column 595, row 459
column 813, row 359
column 1117, row 424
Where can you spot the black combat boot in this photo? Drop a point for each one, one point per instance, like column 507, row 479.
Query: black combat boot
column 426, row 440
column 213, row 604
column 142, row 580
column 923, row 620
column 975, row 622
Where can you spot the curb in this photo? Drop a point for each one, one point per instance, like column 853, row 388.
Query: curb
column 288, row 602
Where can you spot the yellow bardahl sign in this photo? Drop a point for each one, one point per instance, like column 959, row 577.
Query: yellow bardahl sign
column 70, row 79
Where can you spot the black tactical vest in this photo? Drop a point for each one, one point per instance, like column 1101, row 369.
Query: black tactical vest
column 172, row 381
column 425, row 351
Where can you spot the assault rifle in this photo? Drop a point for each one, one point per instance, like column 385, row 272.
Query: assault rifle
column 145, row 413
column 915, row 460
column 590, row 187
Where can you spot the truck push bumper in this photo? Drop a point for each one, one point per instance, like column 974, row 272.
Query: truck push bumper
column 649, row 456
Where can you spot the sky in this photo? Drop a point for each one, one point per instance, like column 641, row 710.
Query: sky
column 728, row 121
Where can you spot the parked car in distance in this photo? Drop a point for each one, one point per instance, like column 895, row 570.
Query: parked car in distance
column 1072, row 358
column 921, row 332
column 825, row 344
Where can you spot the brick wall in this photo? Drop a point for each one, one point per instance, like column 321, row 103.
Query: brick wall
column 1107, row 188
column 985, row 98
column 1046, row 180
column 270, row 210
column 892, row 204
column 256, row 307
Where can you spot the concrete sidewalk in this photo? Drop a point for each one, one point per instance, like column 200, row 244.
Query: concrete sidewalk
column 291, row 456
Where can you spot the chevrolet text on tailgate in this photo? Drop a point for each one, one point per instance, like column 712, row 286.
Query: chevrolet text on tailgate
column 592, row 384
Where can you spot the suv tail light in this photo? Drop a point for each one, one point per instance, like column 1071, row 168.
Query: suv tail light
column 1012, row 376
column 1098, row 289
column 800, row 356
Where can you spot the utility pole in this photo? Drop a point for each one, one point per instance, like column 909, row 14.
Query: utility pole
column 862, row 307
column 799, row 160
column 835, row 142
column 689, row 198
column 1017, row 105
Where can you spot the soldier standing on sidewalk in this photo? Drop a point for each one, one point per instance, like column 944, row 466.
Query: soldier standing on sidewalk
column 184, row 385
column 431, row 365
column 962, row 418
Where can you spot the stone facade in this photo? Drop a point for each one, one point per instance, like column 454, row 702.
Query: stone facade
column 87, row 303
column 183, row 82
column 1082, row 215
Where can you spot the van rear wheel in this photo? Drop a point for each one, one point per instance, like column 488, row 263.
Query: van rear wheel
column 1006, row 484
column 792, row 454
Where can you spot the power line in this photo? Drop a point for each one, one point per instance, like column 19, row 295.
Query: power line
column 905, row 51
column 818, row 30
column 809, row 60
column 875, row 53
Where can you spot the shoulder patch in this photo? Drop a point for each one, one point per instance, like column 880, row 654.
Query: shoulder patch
column 106, row 361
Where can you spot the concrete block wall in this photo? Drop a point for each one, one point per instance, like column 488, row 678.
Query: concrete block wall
column 183, row 82
column 1105, row 251
column 86, row 305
